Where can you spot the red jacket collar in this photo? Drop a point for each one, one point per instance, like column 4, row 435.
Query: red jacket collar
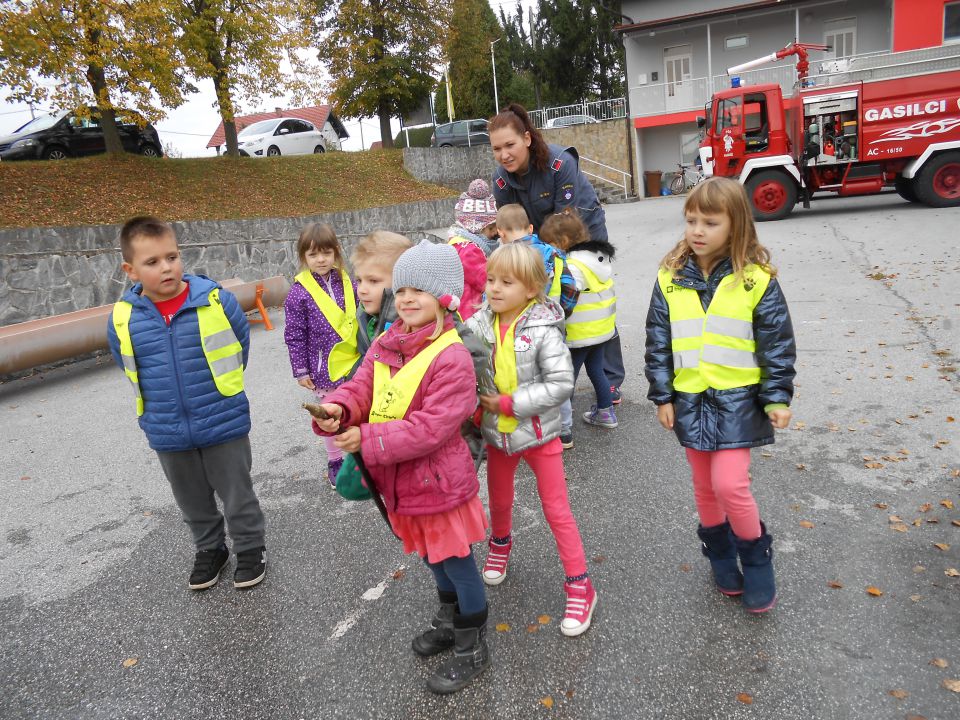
column 398, row 345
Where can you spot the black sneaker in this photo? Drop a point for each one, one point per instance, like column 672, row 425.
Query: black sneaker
column 566, row 439
column 251, row 567
column 207, row 566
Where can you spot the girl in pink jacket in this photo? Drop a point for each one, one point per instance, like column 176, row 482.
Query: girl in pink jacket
column 402, row 412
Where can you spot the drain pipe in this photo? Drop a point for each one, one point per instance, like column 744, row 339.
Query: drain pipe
column 48, row 340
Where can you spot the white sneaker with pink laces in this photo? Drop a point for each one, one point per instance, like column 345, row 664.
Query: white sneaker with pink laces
column 581, row 602
column 495, row 568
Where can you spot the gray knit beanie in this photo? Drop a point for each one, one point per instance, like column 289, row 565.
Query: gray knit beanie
column 432, row 268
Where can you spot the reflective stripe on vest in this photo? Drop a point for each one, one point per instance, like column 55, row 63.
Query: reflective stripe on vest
column 344, row 355
column 392, row 395
column 594, row 318
column 554, row 291
column 714, row 349
column 121, row 323
column 223, row 351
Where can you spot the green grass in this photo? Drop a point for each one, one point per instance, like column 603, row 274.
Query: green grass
column 104, row 190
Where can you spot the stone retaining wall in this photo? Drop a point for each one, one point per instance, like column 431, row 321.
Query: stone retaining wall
column 50, row 271
column 452, row 167
column 605, row 142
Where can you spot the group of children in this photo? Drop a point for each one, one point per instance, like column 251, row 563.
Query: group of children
column 402, row 356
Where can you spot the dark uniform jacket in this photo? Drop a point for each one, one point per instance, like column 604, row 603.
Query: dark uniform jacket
column 722, row 419
column 543, row 193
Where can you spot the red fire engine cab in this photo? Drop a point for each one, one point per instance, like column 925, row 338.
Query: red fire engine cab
column 861, row 125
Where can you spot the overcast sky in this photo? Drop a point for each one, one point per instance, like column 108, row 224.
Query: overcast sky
column 189, row 127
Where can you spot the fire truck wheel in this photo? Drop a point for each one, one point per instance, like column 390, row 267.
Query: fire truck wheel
column 772, row 194
column 938, row 182
column 905, row 188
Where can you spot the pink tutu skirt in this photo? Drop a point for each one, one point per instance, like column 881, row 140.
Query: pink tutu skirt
column 442, row 535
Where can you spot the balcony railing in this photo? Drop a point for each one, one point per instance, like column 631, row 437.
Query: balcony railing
column 693, row 93
column 598, row 110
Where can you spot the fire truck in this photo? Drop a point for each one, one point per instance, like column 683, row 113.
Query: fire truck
column 860, row 125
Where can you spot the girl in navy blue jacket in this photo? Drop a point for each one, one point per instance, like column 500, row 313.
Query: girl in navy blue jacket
column 719, row 358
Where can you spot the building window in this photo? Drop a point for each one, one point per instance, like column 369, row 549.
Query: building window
column 841, row 35
column 951, row 22
column 735, row 41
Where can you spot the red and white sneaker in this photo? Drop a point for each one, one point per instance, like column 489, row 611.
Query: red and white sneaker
column 581, row 602
column 495, row 568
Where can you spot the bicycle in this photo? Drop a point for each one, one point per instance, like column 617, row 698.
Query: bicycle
column 686, row 177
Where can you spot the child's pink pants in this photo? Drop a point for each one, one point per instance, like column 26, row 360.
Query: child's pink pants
column 546, row 461
column 721, row 488
column 333, row 452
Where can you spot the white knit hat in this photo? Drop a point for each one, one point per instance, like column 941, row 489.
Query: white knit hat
column 432, row 268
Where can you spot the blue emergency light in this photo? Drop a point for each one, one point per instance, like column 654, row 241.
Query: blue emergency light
column 735, row 81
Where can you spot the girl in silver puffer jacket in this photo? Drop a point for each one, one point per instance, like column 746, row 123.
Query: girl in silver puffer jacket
column 521, row 420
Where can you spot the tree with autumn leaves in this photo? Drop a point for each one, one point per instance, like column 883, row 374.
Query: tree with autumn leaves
column 93, row 52
column 382, row 55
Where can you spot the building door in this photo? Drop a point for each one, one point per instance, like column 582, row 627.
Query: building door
column 676, row 72
column 841, row 35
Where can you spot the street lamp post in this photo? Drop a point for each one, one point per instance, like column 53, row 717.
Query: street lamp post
column 493, row 61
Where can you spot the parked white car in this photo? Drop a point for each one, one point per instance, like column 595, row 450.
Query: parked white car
column 281, row 136
column 568, row 120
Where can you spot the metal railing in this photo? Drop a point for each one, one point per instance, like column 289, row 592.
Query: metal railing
column 599, row 110
column 625, row 176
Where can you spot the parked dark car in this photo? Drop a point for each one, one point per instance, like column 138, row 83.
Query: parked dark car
column 65, row 134
column 460, row 133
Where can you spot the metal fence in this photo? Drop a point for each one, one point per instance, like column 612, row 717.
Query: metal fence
column 583, row 112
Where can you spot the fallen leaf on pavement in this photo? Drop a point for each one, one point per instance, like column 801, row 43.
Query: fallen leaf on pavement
column 130, row 662
column 955, row 522
column 950, row 418
column 952, row 685
column 899, row 694
column 547, row 702
column 873, row 465
column 951, row 572
column 941, row 546
column 745, row 698
column 398, row 575
column 543, row 619
column 835, row 584
column 806, row 524
column 876, row 592
column 801, row 466
column 916, row 598
column 918, row 568
column 894, row 519
column 899, row 527
column 948, row 504
column 533, row 628
column 911, row 716
column 503, row 627
column 939, row 662
column 684, row 567
column 882, row 506
column 926, row 507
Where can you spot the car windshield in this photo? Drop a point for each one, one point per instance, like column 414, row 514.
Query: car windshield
column 40, row 123
column 259, row 128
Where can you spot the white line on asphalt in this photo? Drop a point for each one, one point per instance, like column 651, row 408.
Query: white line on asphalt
column 374, row 593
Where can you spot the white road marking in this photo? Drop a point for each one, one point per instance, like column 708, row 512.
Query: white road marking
column 374, row 593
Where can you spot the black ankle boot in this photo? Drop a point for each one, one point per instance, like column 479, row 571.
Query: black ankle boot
column 470, row 657
column 440, row 635
column 718, row 547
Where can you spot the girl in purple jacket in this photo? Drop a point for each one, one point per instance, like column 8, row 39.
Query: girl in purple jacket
column 321, row 322
column 402, row 412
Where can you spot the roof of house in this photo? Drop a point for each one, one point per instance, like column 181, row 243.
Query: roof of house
column 703, row 16
column 317, row 114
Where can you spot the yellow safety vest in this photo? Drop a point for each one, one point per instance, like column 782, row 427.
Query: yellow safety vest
column 594, row 319
column 505, row 375
column 344, row 355
column 223, row 351
column 392, row 395
column 554, row 290
column 714, row 349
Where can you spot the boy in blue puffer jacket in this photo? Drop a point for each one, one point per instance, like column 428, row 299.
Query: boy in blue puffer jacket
column 183, row 342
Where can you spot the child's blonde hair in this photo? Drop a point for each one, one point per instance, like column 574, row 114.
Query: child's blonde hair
column 319, row 236
column 381, row 247
column 564, row 230
column 512, row 218
column 523, row 262
column 716, row 196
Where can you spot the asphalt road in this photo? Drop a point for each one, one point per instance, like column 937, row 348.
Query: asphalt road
column 97, row 621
